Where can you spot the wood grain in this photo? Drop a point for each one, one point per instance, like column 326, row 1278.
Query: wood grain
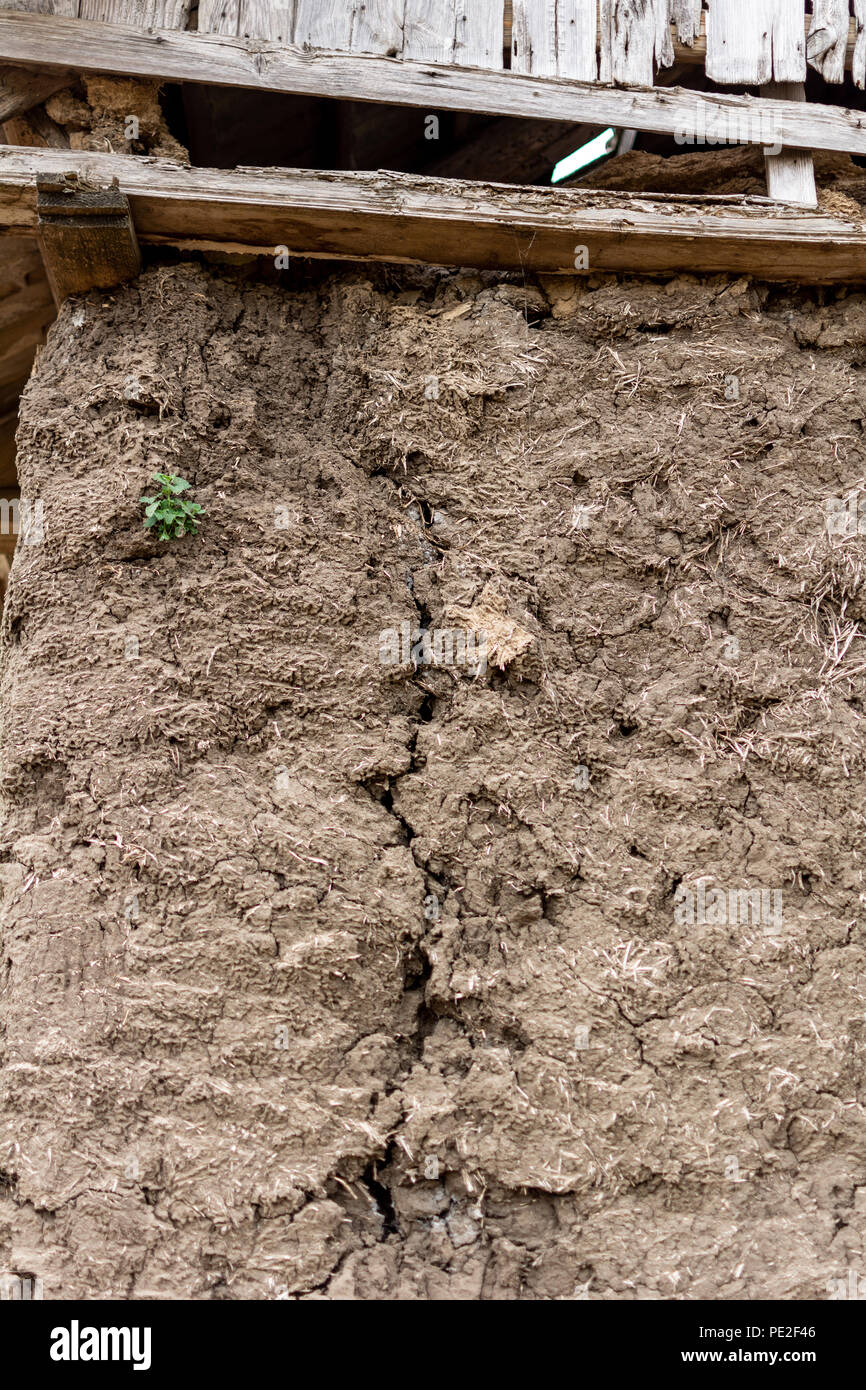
column 219, row 17
column 267, row 19
column 478, row 33
column 827, row 39
column 324, row 23
column 144, row 14
column 87, row 237
column 534, row 46
column 428, row 33
column 789, row 42
column 739, row 42
column 791, row 173
column 631, row 34
column 67, row 9
column 686, row 14
column 232, row 62
column 378, row 27
column 858, row 58
column 552, row 38
column 664, row 46
column 576, row 25
column 404, row 218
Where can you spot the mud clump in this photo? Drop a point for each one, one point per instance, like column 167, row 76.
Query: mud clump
column 326, row 979
column 110, row 115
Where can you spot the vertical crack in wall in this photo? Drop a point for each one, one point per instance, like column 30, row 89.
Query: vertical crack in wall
column 285, row 1079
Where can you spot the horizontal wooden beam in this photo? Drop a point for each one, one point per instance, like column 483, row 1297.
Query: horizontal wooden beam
column 407, row 218
column 45, row 41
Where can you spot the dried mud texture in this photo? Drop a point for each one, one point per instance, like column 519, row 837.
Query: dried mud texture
column 95, row 115
column 323, row 978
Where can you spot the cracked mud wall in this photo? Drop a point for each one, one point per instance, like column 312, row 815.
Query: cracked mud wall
column 323, row 977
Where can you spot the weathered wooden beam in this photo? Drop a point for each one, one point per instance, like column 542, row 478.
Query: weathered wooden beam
column 407, row 218
column 86, row 235
column 45, row 40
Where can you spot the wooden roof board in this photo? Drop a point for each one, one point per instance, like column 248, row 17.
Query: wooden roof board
column 44, row 41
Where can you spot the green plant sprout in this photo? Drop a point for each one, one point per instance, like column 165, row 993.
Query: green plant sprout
column 169, row 511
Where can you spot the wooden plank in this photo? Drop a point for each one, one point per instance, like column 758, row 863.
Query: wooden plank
column 858, row 58
column 406, row 218
column 789, row 43
column 219, row 17
column 828, row 35
column 429, row 30
column 630, row 36
column 664, row 46
column 378, row 27
column 86, row 236
column 739, row 42
column 21, row 90
column 534, row 46
column 605, row 40
column 479, row 33
column 47, row 42
column 267, row 19
column 576, row 39
column 554, row 37
column 66, row 9
column 791, row 173
column 689, row 36
column 686, row 14
column 143, row 14
column 467, row 33
column 324, row 23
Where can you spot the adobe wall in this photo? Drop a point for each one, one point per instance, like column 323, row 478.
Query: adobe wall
column 323, row 976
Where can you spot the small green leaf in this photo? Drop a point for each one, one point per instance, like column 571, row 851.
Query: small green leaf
column 173, row 514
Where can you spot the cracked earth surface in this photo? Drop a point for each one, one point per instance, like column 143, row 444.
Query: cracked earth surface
column 322, row 977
